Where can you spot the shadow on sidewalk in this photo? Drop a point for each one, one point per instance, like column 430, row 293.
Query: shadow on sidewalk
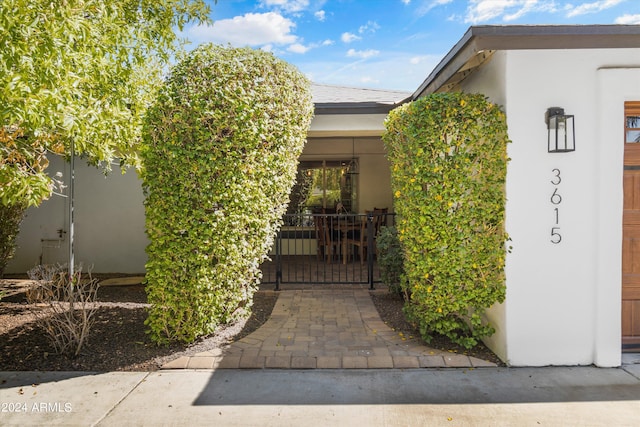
column 451, row 386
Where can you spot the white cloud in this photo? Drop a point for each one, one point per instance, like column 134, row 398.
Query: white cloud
column 406, row 1
column 369, row 27
column 298, row 48
column 628, row 20
column 349, row 37
column 253, row 29
column 530, row 6
column 593, row 7
column 486, row 10
column 320, row 15
column 363, row 54
column 379, row 72
column 290, row 6
column 428, row 5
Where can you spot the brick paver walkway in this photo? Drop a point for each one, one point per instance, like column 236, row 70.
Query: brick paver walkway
column 330, row 329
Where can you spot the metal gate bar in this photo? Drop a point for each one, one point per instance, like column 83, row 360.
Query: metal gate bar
column 324, row 249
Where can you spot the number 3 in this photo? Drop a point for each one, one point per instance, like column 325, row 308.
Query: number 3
column 557, row 179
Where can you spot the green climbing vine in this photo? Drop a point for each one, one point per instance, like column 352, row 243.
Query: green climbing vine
column 448, row 160
column 220, row 151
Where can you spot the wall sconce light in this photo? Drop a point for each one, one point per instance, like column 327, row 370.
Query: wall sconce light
column 562, row 134
column 353, row 167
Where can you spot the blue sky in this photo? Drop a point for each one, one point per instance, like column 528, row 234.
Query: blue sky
column 386, row 44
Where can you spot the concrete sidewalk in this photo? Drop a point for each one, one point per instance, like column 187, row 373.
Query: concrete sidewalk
column 486, row 396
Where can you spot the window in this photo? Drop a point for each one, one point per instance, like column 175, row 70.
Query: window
column 324, row 186
column 632, row 122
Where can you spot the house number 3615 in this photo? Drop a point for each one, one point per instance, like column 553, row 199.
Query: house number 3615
column 556, row 200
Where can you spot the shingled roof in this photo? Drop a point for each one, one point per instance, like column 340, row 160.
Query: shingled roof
column 350, row 100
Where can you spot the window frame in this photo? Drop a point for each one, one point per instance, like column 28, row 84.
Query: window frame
column 347, row 188
column 631, row 109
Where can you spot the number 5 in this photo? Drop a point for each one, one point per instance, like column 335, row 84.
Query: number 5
column 555, row 235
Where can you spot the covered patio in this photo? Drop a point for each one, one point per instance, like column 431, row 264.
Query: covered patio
column 326, row 248
column 343, row 177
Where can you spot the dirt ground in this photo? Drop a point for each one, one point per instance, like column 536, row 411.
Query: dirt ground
column 118, row 341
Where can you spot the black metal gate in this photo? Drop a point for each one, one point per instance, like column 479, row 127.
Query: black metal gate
column 325, row 248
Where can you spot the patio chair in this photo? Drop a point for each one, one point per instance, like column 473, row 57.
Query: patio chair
column 327, row 240
column 359, row 237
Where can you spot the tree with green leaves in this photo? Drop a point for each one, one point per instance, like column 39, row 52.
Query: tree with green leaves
column 79, row 73
column 220, row 151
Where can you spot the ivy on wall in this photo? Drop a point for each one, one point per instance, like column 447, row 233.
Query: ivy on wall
column 448, row 159
column 220, row 151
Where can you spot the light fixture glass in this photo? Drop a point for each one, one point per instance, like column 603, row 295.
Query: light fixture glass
column 561, row 131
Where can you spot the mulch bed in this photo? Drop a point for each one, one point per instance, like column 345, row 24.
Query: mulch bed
column 389, row 307
column 118, row 341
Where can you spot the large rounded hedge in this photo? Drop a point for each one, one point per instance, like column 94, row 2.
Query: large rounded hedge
column 449, row 161
column 220, row 152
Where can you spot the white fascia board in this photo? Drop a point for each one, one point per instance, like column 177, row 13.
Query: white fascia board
column 332, row 125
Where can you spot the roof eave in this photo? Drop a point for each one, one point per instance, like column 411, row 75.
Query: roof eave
column 356, row 107
column 516, row 37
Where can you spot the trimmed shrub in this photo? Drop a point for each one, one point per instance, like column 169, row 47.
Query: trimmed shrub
column 220, row 151
column 448, row 157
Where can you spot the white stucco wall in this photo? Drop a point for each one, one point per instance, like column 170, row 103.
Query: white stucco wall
column 109, row 223
column 563, row 300
column 490, row 80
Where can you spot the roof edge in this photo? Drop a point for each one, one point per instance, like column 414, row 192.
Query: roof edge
column 517, row 37
column 356, row 107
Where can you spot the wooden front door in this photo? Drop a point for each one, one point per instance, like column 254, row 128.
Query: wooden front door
column 631, row 230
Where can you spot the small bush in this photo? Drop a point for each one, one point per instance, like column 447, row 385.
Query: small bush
column 67, row 315
column 390, row 259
